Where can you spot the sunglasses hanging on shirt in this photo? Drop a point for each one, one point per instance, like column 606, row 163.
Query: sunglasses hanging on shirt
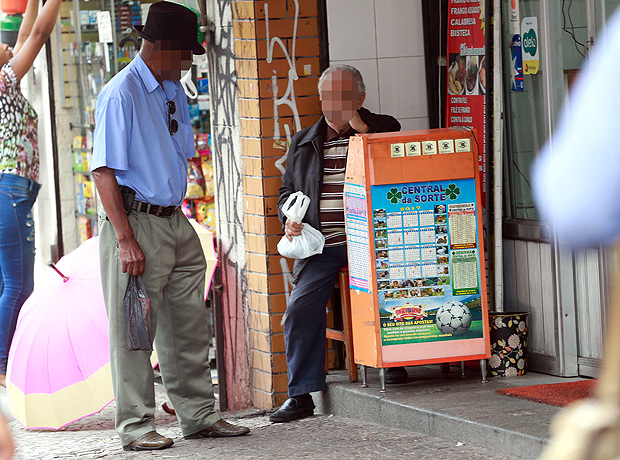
column 173, row 125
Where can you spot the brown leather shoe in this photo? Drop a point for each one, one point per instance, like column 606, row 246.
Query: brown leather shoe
column 150, row 441
column 220, row 429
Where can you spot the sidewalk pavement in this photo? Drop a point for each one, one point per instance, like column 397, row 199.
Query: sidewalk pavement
column 433, row 416
column 322, row 437
column 449, row 406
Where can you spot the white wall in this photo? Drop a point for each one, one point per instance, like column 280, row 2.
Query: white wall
column 384, row 40
column 36, row 89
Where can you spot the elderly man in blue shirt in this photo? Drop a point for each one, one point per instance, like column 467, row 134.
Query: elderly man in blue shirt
column 142, row 141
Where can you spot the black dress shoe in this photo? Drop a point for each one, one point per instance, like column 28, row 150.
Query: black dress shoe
column 292, row 409
column 394, row 375
column 149, row 441
column 220, row 429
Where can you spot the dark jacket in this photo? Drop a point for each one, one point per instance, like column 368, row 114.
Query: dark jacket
column 304, row 167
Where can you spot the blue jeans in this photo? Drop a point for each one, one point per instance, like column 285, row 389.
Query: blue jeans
column 17, row 195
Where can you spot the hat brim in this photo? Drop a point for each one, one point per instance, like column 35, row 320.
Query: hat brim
column 194, row 46
column 138, row 29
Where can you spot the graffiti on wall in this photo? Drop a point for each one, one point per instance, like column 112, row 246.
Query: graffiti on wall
column 288, row 98
column 226, row 145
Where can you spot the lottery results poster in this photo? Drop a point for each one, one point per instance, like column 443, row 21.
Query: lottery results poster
column 467, row 79
column 427, row 261
column 356, row 217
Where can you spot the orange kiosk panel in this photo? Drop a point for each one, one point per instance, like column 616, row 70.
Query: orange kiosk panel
column 415, row 245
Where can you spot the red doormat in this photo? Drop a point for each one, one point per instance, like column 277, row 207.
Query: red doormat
column 554, row 394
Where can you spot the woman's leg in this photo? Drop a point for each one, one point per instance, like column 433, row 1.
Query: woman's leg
column 17, row 195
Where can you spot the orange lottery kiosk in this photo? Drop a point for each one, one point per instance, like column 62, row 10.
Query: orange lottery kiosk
column 416, row 253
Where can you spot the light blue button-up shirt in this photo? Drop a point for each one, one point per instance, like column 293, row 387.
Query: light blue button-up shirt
column 132, row 138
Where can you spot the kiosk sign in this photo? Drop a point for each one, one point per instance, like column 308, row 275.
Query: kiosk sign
column 427, row 261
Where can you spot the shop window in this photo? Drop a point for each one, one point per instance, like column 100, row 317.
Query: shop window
column 525, row 122
column 90, row 58
column 565, row 33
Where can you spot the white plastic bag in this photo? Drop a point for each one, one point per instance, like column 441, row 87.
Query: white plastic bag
column 311, row 241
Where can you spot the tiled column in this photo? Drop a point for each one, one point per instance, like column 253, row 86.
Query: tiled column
column 276, row 45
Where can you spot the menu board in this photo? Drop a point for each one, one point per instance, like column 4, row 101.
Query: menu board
column 467, row 79
column 427, row 261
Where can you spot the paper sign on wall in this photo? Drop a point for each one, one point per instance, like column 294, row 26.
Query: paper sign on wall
column 104, row 25
column 516, row 51
column 529, row 42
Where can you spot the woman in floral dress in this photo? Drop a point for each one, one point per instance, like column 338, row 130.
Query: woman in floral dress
column 19, row 170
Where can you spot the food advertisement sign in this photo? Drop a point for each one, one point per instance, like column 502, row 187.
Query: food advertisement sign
column 467, row 79
column 427, row 261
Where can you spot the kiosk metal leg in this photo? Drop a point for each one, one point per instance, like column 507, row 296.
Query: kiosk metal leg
column 462, row 368
column 382, row 379
column 483, row 369
column 364, row 376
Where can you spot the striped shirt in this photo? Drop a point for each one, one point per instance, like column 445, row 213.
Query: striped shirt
column 331, row 204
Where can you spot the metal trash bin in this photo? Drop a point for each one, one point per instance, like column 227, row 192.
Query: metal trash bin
column 508, row 343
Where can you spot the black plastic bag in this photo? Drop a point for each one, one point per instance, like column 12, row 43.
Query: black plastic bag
column 137, row 307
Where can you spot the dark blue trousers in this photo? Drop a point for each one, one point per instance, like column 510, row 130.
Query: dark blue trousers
column 304, row 326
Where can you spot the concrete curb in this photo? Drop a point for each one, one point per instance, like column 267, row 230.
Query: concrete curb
column 347, row 400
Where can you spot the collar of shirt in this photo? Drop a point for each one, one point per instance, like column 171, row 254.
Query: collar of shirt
column 150, row 82
column 331, row 134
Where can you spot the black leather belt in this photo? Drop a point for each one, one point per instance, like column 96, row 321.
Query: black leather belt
column 158, row 211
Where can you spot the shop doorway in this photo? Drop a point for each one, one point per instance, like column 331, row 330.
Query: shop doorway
column 96, row 41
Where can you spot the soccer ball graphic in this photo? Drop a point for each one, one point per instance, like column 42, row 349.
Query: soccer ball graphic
column 453, row 317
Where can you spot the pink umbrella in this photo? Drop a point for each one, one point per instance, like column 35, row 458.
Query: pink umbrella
column 59, row 364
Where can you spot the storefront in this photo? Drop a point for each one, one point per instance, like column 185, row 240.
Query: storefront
column 536, row 50
column 402, row 55
column 265, row 58
column 94, row 40
column 566, row 292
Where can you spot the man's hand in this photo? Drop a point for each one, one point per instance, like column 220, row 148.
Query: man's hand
column 358, row 124
column 292, row 229
column 129, row 251
column 132, row 257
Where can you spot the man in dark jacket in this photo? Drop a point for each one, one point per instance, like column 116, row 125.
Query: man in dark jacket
column 315, row 165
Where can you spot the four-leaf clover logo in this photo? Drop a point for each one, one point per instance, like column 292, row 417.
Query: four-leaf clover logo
column 453, row 191
column 394, row 195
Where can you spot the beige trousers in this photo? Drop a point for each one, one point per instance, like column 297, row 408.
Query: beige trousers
column 174, row 280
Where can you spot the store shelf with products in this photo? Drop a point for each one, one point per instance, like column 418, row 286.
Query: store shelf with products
column 90, row 58
column 86, row 201
column 199, row 203
column 91, row 52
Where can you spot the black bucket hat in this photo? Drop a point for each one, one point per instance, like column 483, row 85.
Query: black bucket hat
column 172, row 22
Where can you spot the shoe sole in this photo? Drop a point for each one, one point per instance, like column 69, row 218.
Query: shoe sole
column 215, row 435
column 307, row 413
column 138, row 448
